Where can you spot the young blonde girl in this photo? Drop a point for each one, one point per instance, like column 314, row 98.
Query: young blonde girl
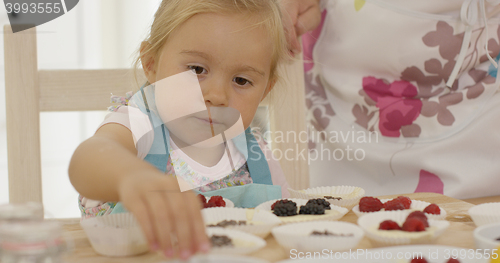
column 233, row 47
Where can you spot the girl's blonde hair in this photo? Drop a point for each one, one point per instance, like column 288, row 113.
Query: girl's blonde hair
column 172, row 13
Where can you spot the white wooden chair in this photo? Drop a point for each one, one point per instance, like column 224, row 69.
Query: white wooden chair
column 30, row 91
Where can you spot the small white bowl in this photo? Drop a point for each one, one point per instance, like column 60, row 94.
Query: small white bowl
column 244, row 243
column 335, row 213
column 484, row 214
column 370, row 223
column 298, row 236
column 416, row 205
column 350, row 194
column 263, row 221
column 485, row 236
column 115, row 235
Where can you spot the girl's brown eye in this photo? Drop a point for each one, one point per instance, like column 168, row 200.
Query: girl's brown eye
column 197, row 69
column 241, row 81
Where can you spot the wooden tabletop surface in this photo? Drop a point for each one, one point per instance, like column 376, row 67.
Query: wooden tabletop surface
column 458, row 234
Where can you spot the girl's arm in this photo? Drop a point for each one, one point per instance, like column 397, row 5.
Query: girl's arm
column 105, row 167
column 102, row 161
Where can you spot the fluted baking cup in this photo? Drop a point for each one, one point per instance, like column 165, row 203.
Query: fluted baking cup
column 484, row 214
column 350, row 194
column 371, row 221
column 416, row 205
column 115, row 235
column 258, row 222
column 243, row 243
column 298, row 236
column 335, row 213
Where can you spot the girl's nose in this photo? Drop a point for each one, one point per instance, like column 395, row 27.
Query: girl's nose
column 215, row 94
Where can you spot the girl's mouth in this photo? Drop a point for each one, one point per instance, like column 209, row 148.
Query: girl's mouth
column 207, row 121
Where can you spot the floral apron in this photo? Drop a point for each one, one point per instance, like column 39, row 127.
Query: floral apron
column 402, row 96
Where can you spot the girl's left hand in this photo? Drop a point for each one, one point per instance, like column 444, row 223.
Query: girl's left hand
column 300, row 16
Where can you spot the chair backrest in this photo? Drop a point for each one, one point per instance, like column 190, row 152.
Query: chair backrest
column 29, row 91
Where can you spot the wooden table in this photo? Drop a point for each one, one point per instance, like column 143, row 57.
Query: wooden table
column 458, row 234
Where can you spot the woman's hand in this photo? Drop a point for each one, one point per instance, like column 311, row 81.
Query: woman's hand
column 163, row 211
column 300, row 16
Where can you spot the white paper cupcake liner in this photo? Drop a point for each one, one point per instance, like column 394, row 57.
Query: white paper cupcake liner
column 416, row 205
column 261, row 222
column 484, row 214
column 370, row 223
column 115, row 235
column 298, row 236
column 244, row 243
column 350, row 194
column 335, row 213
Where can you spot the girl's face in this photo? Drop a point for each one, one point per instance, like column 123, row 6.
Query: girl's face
column 231, row 57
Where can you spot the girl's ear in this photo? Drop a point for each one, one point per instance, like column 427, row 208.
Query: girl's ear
column 270, row 86
column 148, row 63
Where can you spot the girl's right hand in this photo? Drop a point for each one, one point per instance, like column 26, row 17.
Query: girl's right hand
column 163, row 212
